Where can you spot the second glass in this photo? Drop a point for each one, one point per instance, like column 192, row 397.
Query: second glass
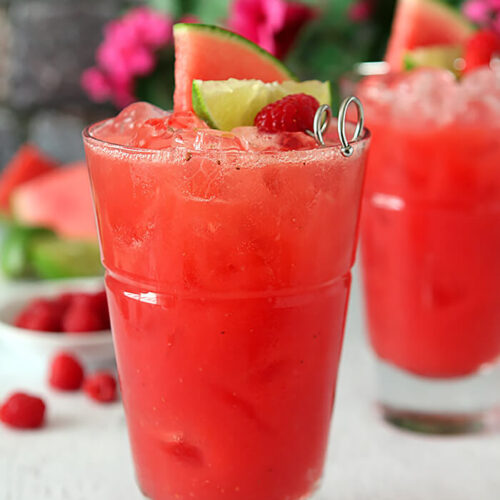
column 430, row 237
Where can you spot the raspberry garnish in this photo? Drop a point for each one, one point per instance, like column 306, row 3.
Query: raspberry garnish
column 101, row 387
column 23, row 411
column 293, row 113
column 480, row 48
column 85, row 314
column 41, row 315
column 66, row 373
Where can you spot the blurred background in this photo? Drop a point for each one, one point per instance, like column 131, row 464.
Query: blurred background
column 46, row 46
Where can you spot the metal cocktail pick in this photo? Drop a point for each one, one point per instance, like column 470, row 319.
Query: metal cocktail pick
column 322, row 120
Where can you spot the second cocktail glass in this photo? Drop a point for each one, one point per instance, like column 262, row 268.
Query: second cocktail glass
column 430, row 236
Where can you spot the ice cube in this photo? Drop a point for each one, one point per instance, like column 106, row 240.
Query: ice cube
column 426, row 95
column 218, row 140
column 209, row 140
column 480, row 95
column 154, row 133
column 186, row 120
column 284, row 141
column 123, row 128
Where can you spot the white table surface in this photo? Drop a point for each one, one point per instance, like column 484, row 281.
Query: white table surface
column 83, row 452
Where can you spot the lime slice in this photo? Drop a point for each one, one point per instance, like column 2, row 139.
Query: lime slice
column 439, row 56
column 226, row 104
column 53, row 258
column 15, row 249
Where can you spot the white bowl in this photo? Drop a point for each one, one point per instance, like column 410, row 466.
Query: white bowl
column 34, row 350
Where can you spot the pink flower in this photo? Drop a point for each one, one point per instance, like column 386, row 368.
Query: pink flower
column 96, row 84
column 272, row 24
column 361, row 10
column 127, row 52
column 485, row 13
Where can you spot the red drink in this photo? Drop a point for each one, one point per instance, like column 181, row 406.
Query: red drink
column 431, row 225
column 228, row 273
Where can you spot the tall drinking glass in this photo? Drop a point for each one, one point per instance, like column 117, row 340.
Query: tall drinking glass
column 430, row 236
column 228, row 275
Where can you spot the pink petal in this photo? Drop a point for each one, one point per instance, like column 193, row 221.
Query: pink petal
column 96, row 85
column 477, row 11
column 361, row 11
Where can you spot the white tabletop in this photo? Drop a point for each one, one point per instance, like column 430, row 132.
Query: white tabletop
column 83, row 452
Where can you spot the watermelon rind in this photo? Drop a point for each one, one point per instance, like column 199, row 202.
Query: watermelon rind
column 227, row 58
column 221, row 32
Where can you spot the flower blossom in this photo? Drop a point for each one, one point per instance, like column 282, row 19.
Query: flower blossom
column 128, row 51
column 272, row 24
column 485, row 13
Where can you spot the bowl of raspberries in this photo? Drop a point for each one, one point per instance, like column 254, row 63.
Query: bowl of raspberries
column 71, row 315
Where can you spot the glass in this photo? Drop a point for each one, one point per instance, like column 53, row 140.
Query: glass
column 430, row 240
column 228, row 275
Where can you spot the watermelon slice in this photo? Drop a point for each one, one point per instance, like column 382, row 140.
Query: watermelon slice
column 210, row 53
column 28, row 163
column 60, row 200
column 423, row 23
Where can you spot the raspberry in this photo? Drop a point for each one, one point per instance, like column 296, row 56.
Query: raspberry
column 84, row 314
column 64, row 301
column 101, row 304
column 293, row 113
column 65, row 373
column 41, row 315
column 101, row 387
column 480, row 49
column 23, row 411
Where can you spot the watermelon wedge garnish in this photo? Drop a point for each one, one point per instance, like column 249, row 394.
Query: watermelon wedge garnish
column 423, row 23
column 204, row 52
column 29, row 162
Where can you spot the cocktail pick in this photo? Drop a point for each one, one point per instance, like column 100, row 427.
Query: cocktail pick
column 322, row 120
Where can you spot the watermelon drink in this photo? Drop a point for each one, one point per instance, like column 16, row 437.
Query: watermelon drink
column 227, row 259
column 431, row 243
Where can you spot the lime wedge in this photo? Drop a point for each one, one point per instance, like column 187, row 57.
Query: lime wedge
column 438, row 56
column 15, row 249
column 53, row 258
column 226, row 104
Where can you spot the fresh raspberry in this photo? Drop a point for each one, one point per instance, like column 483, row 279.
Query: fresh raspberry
column 101, row 304
column 23, row 411
column 293, row 113
column 101, row 387
column 41, row 315
column 480, row 48
column 84, row 314
column 65, row 373
column 64, row 301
